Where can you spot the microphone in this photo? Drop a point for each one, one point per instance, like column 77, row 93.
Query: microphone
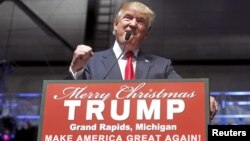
column 127, row 36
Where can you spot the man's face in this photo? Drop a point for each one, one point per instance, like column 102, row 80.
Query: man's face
column 134, row 22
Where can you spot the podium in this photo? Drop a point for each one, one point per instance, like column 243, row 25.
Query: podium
column 120, row 110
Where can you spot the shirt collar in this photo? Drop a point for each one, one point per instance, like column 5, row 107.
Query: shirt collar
column 118, row 50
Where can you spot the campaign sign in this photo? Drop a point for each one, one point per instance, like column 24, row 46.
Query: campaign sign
column 145, row 110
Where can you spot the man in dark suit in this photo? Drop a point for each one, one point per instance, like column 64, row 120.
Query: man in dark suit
column 131, row 26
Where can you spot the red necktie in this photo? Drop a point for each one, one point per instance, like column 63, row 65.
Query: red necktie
column 129, row 70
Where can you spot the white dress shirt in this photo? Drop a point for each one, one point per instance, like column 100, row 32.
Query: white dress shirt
column 123, row 60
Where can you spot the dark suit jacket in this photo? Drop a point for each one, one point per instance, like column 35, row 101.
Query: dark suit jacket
column 147, row 67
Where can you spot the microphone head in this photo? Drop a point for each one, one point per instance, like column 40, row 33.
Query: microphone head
column 127, row 36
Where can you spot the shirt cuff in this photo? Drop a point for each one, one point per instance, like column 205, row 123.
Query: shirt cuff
column 77, row 74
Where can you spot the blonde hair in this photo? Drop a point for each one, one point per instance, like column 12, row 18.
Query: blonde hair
column 139, row 7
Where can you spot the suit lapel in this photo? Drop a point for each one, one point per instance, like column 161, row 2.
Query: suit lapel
column 142, row 66
column 109, row 59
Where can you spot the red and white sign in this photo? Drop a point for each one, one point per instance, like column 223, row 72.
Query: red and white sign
column 124, row 110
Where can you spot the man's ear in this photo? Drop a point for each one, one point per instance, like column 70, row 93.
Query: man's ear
column 115, row 24
column 149, row 29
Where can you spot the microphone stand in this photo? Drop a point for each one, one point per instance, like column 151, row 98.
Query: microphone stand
column 127, row 36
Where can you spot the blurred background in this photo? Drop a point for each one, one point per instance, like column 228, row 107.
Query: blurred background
column 205, row 39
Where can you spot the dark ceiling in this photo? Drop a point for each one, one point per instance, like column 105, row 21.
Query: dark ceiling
column 48, row 31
